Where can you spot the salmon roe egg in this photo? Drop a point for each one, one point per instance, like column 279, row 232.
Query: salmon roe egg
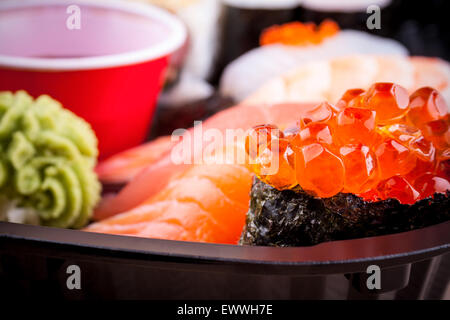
column 401, row 132
column 314, row 132
column 274, row 168
column 422, row 148
column 259, row 138
column 319, row 171
column 422, row 167
column 377, row 144
column 291, row 131
column 297, row 33
column 360, row 168
column 397, row 187
column 321, row 113
column 389, row 100
column 370, row 196
column 328, row 28
column 429, row 184
column 351, row 98
column 438, row 132
column 425, row 105
column 394, row 158
column 411, row 138
column 443, row 165
column 354, row 125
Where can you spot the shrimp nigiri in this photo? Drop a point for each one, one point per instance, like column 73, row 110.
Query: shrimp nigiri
column 325, row 80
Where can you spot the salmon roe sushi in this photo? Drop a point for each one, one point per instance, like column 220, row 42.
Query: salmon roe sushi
column 377, row 144
column 299, row 34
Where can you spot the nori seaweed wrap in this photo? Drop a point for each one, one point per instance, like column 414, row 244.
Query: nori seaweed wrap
column 295, row 218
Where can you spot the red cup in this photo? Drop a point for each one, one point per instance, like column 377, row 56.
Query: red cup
column 104, row 60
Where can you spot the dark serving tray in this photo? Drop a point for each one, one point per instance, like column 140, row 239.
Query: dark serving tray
column 34, row 262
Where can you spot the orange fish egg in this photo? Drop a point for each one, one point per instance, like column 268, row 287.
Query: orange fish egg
column 368, row 145
column 402, row 133
column 370, row 196
column 425, row 105
column 354, row 125
column 443, row 165
column 398, row 188
column 274, row 167
column 360, row 168
column 429, row 184
column 291, row 131
column 259, row 137
column 298, row 34
column 438, row 132
column 411, row 138
column 422, row 148
column 322, row 113
column 328, row 28
column 422, row 167
column 351, row 98
column 394, row 158
column 314, row 132
column 389, row 100
column 319, row 171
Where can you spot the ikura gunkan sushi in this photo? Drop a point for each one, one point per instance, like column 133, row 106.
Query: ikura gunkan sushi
column 377, row 162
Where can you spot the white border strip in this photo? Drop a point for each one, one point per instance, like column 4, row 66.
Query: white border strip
column 173, row 42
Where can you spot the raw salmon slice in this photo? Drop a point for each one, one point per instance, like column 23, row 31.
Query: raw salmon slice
column 153, row 178
column 206, row 203
column 126, row 165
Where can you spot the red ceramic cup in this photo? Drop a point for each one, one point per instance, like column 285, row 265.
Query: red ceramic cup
column 104, row 60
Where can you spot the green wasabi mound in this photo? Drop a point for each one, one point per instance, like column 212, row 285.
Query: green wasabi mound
column 47, row 160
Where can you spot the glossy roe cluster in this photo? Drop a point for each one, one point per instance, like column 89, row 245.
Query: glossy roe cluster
column 298, row 34
column 378, row 144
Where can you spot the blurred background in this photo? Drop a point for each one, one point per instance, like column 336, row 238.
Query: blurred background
column 222, row 30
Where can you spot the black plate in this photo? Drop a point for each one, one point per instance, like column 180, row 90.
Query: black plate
column 34, row 260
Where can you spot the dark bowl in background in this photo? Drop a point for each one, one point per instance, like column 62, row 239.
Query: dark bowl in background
column 34, row 261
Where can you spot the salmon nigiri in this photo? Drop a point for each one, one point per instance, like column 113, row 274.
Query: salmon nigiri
column 194, row 202
column 205, row 203
column 126, row 165
column 156, row 175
